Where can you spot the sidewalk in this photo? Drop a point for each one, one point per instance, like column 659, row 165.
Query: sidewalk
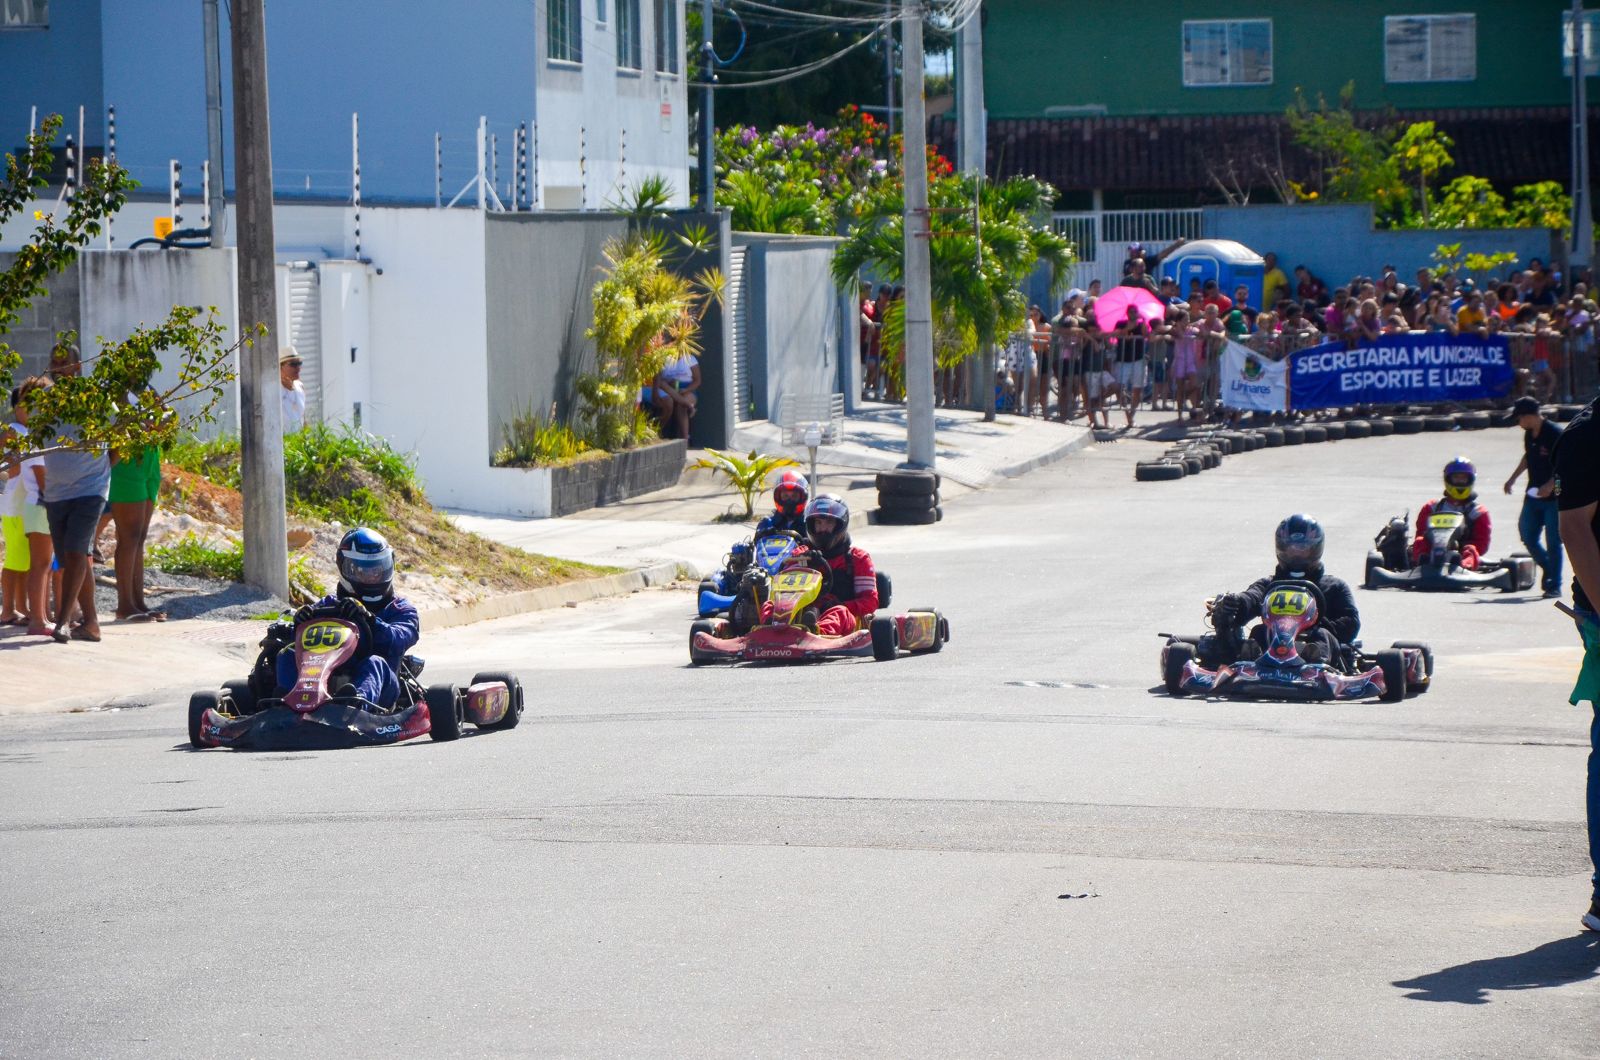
column 681, row 524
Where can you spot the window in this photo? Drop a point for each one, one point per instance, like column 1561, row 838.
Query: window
column 24, row 14
column 629, row 53
column 600, row 11
column 564, row 21
column 1430, row 48
column 667, row 36
column 1591, row 43
column 1227, row 53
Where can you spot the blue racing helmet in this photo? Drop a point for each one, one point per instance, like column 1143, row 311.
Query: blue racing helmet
column 366, row 566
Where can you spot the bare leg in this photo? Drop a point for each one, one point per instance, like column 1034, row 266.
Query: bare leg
column 39, row 553
column 130, row 543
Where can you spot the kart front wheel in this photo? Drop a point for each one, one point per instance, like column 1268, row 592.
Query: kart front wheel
column 199, row 703
column 444, row 712
column 1392, row 664
column 702, row 626
column 244, row 700
column 1178, row 656
column 885, row 639
column 1374, row 563
column 514, row 708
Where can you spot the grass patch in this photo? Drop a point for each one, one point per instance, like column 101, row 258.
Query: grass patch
column 193, row 556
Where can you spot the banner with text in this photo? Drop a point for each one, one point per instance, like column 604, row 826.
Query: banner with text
column 1401, row 370
column 1251, row 381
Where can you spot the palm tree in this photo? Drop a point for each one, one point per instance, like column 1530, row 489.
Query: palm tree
column 977, row 270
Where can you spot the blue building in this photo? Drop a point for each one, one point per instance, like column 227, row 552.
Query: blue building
column 599, row 83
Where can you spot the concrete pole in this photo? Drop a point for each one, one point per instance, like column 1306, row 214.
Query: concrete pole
column 1582, row 252
column 216, row 195
column 919, row 298
column 973, row 145
column 708, row 114
column 266, row 550
column 888, row 65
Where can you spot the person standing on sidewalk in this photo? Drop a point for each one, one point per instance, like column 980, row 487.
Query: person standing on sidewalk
column 1539, row 512
column 291, row 390
column 1577, row 492
column 76, row 482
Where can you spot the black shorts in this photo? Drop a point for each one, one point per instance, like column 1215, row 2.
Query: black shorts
column 73, row 523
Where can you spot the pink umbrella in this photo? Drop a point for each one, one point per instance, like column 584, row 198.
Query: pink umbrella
column 1111, row 308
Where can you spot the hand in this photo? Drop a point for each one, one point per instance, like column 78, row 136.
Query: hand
column 304, row 613
column 1469, row 557
column 351, row 611
column 1509, row 483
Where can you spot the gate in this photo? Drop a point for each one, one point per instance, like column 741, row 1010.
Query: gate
column 305, row 333
column 744, row 401
column 1101, row 238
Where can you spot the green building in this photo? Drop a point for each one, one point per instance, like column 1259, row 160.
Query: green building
column 1159, row 104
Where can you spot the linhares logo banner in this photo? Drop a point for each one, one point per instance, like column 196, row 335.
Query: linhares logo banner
column 1401, row 370
column 1251, row 381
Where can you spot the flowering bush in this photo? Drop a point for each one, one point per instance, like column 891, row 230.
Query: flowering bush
column 806, row 180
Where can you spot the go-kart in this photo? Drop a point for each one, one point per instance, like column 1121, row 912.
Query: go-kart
column 1389, row 563
column 784, row 637
column 1270, row 664
column 746, row 563
column 248, row 715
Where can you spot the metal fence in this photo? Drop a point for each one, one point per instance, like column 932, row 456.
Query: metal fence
column 1100, row 238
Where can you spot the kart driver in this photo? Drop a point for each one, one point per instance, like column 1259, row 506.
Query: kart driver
column 1299, row 541
column 366, row 591
column 789, row 499
column 1459, row 496
column 851, row 595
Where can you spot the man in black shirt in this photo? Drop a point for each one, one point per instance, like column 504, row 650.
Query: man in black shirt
column 1577, row 491
column 1539, row 512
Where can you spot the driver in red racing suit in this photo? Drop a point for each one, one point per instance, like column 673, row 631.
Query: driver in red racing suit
column 851, row 595
column 1459, row 496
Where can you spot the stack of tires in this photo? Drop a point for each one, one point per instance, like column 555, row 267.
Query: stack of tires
column 908, row 497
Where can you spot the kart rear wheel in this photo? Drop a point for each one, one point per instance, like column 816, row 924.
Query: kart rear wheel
column 242, row 699
column 514, row 686
column 444, row 712
column 702, row 626
column 885, row 639
column 1524, row 570
column 885, row 589
column 1374, row 563
column 944, row 629
column 199, row 703
column 938, row 630
column 1427, row 662
column 1392, row 664
column 1178, row 655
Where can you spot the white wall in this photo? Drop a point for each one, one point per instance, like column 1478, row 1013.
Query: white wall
column 604, row 102
column 346, row 343
column 429, row 350
column 123, row 292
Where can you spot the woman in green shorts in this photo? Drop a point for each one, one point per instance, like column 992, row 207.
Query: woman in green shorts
column 135, row 482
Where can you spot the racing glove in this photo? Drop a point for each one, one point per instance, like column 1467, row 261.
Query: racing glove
column 304, row 613
column 1469, row 557
column 1225, row 612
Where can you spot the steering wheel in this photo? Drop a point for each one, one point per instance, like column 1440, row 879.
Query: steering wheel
column 357, row 616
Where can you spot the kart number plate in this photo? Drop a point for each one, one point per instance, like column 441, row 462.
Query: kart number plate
column 795, row 581
column 1445, row 520
column 319, row 638
column 1288, row 602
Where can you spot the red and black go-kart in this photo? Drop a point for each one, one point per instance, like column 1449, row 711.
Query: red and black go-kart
column 784, row 638
column 1389, row 562
column 1272, row 666
column 247, row 715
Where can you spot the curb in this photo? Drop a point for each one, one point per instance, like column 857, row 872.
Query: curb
column 1050, row 456
column 557, row 595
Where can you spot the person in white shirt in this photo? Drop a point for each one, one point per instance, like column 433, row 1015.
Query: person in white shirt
column 27, row 530
column 293, row 393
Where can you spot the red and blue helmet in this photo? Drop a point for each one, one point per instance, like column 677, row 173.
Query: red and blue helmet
column 790, row 494
column 366, row 566
column 1459, row 479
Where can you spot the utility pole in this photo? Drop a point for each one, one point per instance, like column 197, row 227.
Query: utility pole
column 973, row 147
column 708, row 124
column 888, row 65
column 919, row 296
column 266, row 550
column 1582, row 249
column 215, row 198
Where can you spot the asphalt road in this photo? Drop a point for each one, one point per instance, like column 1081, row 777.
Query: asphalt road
column 1015, row 847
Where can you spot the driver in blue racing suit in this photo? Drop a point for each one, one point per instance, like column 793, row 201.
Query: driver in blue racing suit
column 366, row 590
column 1299, row 542
column 789, row 499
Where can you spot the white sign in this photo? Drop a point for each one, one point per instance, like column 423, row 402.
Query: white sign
column 1591, row 47
column 1251, row 381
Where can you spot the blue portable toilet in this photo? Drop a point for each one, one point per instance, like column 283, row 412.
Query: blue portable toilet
column 1223, row 260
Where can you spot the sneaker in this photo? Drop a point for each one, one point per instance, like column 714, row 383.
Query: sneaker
column 808, row 619
column 1552, row 594
column 346, row 690
column 1591, row 919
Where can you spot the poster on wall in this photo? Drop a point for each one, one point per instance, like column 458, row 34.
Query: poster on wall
column 1401, row 370
column 1251, row 381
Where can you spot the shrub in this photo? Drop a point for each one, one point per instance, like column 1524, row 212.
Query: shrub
column 533, row 440
column 746, row 475
column 194, row 556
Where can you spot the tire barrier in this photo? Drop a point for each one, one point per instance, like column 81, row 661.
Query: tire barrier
column 908, row 497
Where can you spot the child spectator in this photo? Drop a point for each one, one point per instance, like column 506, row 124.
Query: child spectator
column 31, row 524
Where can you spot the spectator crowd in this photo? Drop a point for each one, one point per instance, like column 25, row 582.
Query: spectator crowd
column 1071, row 363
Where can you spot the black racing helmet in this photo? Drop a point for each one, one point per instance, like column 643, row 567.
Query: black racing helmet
column 366, row 566
column 833, row 506
column 1298, row 541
